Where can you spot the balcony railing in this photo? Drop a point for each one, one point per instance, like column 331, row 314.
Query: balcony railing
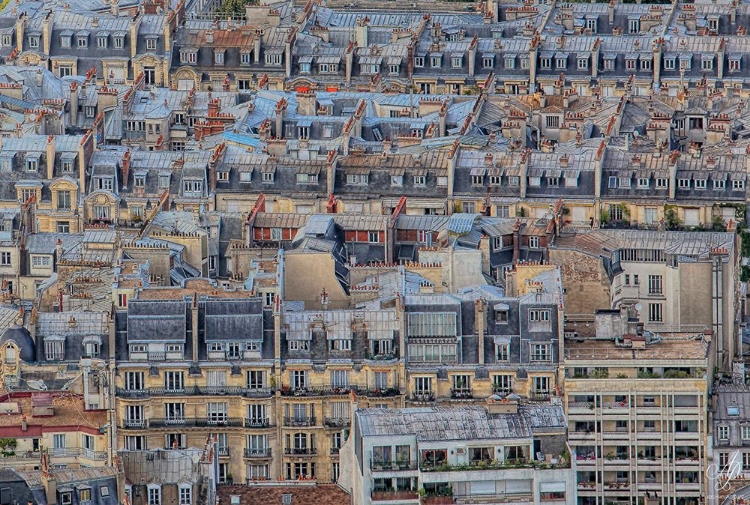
column 299, row 421
column 134, row 423
column 223, row 451
column 539, row 396
column 423, row 396
column 300, row 451
column 394, row 495
column 262, row 452
column 195, row 422
column 388, row 466
column 318, row 391
column 255, row 422
column 335, row 450
column 196, row 391
column 72, row 452
column 461, row 394
column 337, row 422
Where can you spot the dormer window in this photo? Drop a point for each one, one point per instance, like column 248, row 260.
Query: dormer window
column 32, row 162
column 6, row 162
column 307, row 178
column 634, row 25
column 707, row 62
column 734, row 63
column 101, row 41
column 189, row 57
column 583, row 63
column 393, row 69
column 192, row 188
column 34, row 41
column 643, row 183
column 488, row 61
column 609, row 62
column 420, row 180
column 457, row 61
column 686, row 62
column 65, row 40
column 591, row 24
column 268, row 177
column 357, row 179
column 477, row 180
column 151, row 43
column 662, row 183
column 545, row 63
column 164, row 181
column 103, row 183
column 6, row 40
column 713, row 24
column 524, row 63
column 631, row 63
column 139, row 181
column 720, row 184
column 246, row 58
column 419, row 61
column 82, row 40
column 273, row 58
column 510, row 62
column 700, row 183
column 669, row 63
column 436, row 60
column 645, row 64
column 397, row 180
column 119, row 41
column 561, row 62
column 219, row 56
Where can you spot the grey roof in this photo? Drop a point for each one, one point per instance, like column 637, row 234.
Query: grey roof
column 466, row 423
column 732, row 402
column 162, row 320
column 236, row 320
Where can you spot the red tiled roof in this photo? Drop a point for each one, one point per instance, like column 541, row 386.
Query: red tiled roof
column 271, row 493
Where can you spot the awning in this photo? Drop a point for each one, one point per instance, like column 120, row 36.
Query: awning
column 329, row 59
column 304, row 122
column 306, row 59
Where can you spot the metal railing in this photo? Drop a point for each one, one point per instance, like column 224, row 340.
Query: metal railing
column 255, row 422
column 196, row 391
column 262, row 452
column 337, row 422
column 195, row 422
column 391, row 465
column 299, row 421
column 300, row 451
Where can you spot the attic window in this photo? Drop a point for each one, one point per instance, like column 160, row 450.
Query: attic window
column 32, row 162
column 436, row 61
column 219, row 56
column 66, row 498
column 65, row 41
column 188, row 57
column 101, row 41
column 685, row 62
column 286, row 499
column 733, row 411
column 457, row 61
column 119, row 41
column 583, row 63
column 669, row 63
column 34, row 41
column 488, row 61
column 151, row 43
column 510, row 62
column 139, row 181
column 82, row 41
column 734, row 64
column 163, row 181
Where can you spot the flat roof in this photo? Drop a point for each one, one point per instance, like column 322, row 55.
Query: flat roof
column 676, row 346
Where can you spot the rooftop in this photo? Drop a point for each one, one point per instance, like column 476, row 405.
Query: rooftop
column 69, row 410
column 674, row 347
column 302, row 493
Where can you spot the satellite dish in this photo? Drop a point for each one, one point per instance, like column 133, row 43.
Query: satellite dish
column 638, row 306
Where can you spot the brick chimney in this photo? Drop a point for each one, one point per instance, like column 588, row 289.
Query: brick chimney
column 48, row 481
column 516, row 241
column 213, row 107
column 125, row 168
column 50, row 157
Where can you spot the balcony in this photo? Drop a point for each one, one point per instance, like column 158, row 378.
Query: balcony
column 318, row 391
column 137, row 424
column 258, row 453
column 539, row 396
column 461, row 394
column 299, row 421
column 393, row 465
column 335, row 451
column 394, row 495
column 255, row 422
column 423, row 396
column 196, row 391
column 195, row 422
column 74, row 452
column 223, row 452
column 300, row 451
column 337, row 422
column 384, row 392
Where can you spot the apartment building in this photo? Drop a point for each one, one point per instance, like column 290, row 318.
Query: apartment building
column 730, row 437
column 636, row 405
column 501, row 452
column 680, row 281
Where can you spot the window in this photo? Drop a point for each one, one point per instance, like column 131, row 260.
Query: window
column 720, row 184
column 118, row 42
column 256, row 379
column 32, row 164
column 381, row 380
column 553, row 182
column 34, row 41
column 216, row 412
column 58, row 441
column 133, row 381
column 299, row 379
column 5, row 258
column 502, row 352
column 662, row 183
column 700, row 183
column 734, row 64
column 104, row 183
column 186, row 495
column 533, row 242
column 645, row 65
column 502, row 383
column 63, row 227
column 631, row 63
column 525, row 63
column 545, row 63
column 609, row 64
column 191, row 57
column 340, row 378
column 436, row 61
column 540, row 352
column 82, row 41
column 634, row 25
column 636, row 281
column 655, row 312
column 41, row 261
column 154, row 495
column 101, row 42
column 643, row 183
column 655, row 284
column 487, row 62
column 561, row 63
column 685, row 62
column 669, row 64
column 299, row 345
column 457, row 61
column 419, row 61
column 539, row 319
column 583, row 63
column 65, row 41
column 541, row 385
column 174, row 381
column 745, row 433
column 419, row 180
column 218, row 57
column 553, row 121
column 707, row 64
column 54, row 348
column 738, row 185
column 423, row 385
